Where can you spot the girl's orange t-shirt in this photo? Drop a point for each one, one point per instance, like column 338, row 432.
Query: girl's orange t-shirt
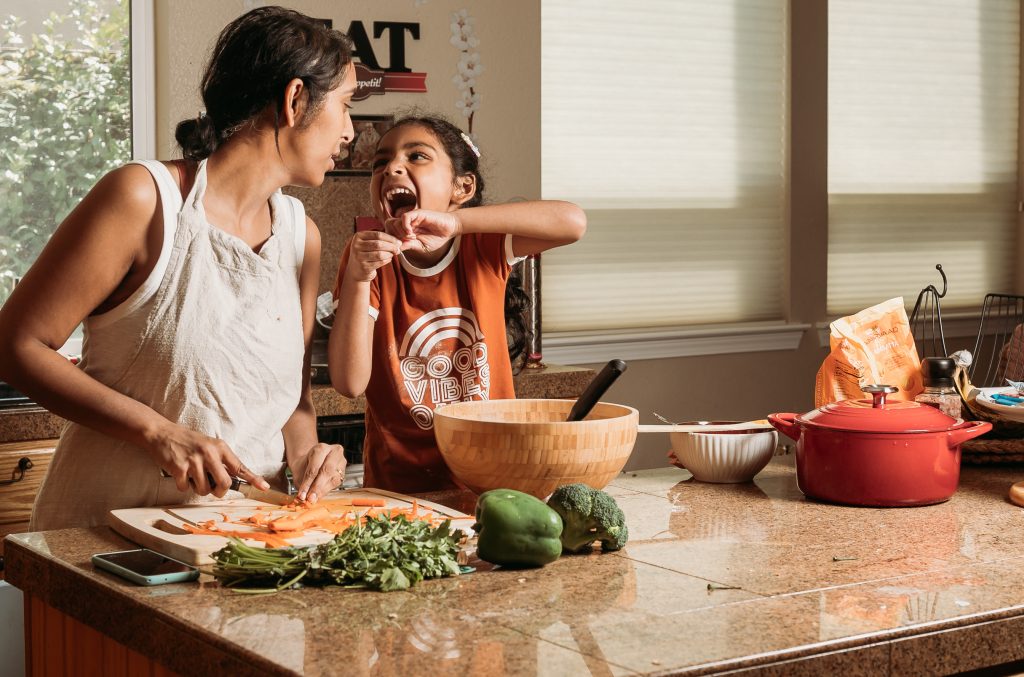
column 438, row 337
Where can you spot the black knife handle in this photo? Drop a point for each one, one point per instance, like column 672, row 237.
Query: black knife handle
column 596, row 389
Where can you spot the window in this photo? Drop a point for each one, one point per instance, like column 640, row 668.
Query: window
column 922, row 104
column 65, row 115
column 666, row 121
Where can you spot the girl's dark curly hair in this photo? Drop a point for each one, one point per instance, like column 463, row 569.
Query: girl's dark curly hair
column 256, row 55
column 465, row 161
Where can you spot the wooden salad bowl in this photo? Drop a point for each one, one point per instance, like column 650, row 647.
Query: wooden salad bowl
column 528, row 445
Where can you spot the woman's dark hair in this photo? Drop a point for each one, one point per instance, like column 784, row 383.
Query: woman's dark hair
column 465, row 161
column 256, row 55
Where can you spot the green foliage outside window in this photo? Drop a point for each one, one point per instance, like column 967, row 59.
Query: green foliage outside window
column 65, row 121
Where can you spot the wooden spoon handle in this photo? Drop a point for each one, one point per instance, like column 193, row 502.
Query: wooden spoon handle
column 1017, row 494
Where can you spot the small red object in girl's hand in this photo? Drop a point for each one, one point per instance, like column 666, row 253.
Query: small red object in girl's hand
column 368, row 223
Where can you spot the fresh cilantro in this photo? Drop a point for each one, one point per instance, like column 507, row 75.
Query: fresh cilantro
column 381, row 554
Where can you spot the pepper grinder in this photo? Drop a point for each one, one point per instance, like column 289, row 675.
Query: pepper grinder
column 939, row 387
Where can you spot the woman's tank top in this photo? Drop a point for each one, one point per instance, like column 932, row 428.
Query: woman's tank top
column 211, row 340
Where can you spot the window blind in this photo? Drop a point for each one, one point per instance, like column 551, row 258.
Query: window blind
column 666, row 121
column 923, row 105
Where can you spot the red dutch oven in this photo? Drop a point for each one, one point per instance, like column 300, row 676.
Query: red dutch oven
column 875, row 453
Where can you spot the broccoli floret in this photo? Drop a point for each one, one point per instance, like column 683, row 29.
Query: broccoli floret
column 589, row 515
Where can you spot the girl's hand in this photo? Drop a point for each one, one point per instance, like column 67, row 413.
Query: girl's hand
column 193, row 458
column 371, row 249
column 324, row 471
column 424, row 229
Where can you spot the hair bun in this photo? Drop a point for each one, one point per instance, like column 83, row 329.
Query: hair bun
column 197, row 137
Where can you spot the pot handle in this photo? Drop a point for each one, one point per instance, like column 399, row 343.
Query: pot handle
column 968, row 432
column 786, row 424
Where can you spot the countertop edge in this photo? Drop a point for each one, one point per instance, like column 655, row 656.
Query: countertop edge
column 848, row 646
column 152, row 642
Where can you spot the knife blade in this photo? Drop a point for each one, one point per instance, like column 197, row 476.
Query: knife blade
column 271, row 496
column 242, row 486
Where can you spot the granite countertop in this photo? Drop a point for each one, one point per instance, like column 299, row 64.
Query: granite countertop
column 551, row 381
column 714, row 578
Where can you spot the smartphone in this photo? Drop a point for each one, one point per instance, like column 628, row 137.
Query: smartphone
column 145, row 567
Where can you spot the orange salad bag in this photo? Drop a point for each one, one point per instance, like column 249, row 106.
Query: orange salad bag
column 873, row 346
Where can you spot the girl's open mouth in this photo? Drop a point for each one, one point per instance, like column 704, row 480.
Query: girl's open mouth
column 399, row 200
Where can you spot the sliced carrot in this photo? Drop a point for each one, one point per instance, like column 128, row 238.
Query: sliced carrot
column 289, row 523
column 271, row 540
column 357, row 502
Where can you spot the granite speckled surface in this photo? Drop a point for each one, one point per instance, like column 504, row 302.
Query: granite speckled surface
column 796, row 587
column 552, row 381
column 334, row 207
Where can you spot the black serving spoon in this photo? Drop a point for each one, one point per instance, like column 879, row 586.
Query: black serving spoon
column 596, row 389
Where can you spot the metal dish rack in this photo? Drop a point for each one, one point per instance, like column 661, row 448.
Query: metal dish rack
column 998, row 355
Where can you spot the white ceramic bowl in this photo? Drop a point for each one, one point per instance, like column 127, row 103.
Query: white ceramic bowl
column 724, row 457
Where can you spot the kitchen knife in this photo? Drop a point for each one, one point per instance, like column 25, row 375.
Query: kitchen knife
column 267, row 496
column 596, row 389
column 238, row 484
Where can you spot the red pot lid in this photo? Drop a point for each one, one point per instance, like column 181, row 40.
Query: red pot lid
column 878, row 415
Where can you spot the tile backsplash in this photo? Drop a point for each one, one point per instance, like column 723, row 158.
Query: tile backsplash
column 334, row 206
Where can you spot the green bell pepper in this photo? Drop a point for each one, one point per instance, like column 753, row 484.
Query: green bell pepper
column 516, row 529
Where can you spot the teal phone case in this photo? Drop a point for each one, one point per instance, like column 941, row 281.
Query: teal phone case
column 100, row 561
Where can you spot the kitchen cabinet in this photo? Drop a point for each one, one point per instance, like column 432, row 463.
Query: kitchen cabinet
column 22, row 467
column 751, row 577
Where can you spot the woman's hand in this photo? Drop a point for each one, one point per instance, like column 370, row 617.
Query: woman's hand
column 423, row 229
column 323, row 472
column 371, row 249
column 193, row 458
column 674, row 460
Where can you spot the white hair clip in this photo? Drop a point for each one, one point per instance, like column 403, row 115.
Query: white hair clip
column 469, row 142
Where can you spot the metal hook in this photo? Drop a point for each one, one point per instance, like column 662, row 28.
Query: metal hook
column 938, row 267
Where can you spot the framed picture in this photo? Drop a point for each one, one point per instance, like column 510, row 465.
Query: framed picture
column 356, row 160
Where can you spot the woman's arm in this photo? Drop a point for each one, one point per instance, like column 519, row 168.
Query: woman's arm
column 350, row 349
column 316, row 468
column 103, row 242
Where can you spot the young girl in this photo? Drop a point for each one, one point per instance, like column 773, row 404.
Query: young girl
column 433, row 285
column 196, row 281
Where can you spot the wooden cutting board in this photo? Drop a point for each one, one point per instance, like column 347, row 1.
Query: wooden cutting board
column 160, row 528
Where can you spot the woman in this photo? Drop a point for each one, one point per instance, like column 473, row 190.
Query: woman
column 196, row 281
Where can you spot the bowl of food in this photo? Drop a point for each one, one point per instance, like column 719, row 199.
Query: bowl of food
column 527, row 444
column 724, row 451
